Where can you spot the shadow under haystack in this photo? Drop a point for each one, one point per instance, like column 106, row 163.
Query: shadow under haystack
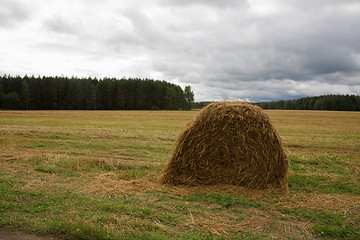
column 229, row 143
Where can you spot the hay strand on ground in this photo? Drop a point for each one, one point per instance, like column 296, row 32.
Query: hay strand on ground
column 229, row 143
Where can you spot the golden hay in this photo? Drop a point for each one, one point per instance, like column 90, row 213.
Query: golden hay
column 229, row 143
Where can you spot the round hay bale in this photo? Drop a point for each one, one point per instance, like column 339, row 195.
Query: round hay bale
column 229, row 143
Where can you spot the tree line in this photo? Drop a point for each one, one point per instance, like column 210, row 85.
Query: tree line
column 326, row 102
column 64, row 93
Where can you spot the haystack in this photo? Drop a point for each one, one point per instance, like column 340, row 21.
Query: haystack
column 229, row 143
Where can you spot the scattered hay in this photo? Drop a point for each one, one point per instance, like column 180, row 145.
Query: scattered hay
column 342, row 204
column 229, row 143
column 255, row 221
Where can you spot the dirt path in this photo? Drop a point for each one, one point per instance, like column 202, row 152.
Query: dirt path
column 6, row 234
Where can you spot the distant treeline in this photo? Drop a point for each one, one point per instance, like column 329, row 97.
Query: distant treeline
column 199, row 105
column 326, row 102
column 63, row 93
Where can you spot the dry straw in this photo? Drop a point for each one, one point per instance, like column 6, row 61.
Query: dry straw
column 229, row 143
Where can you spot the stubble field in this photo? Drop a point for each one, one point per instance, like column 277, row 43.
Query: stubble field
column 94, row 175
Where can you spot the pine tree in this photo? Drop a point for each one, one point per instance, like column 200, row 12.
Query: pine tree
column 92, row 100
column 1, row 94
column 189, row 97
column 25, row 95
column 12, row 101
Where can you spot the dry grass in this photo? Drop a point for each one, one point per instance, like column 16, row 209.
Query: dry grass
column 113, row 160
column 232, row 143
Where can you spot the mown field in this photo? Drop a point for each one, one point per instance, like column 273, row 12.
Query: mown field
column 94, row 175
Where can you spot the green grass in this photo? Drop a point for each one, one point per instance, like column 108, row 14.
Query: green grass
column 326, row 224
column 74, row 216
column 224, row 201
column 322, row 184
column 94, row 175
column 323, row 175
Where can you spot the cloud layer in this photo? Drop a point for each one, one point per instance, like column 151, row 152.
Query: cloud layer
column 232, row 49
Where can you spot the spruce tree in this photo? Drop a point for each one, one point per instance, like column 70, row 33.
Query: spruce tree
column 25, row 95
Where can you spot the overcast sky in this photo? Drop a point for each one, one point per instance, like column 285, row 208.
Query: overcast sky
column 224, row 49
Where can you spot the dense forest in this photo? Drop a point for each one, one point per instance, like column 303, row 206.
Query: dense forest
column 326, row 102
column 63, row 93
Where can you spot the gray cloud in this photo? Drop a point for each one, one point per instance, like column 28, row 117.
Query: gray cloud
column 12, row 12
column 321, row 37
column 257, row 50
column 147, row 31
column 302, row 47
column 213, row 3
column 59, row 24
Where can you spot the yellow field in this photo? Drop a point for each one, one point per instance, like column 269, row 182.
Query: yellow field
column 108, row 157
